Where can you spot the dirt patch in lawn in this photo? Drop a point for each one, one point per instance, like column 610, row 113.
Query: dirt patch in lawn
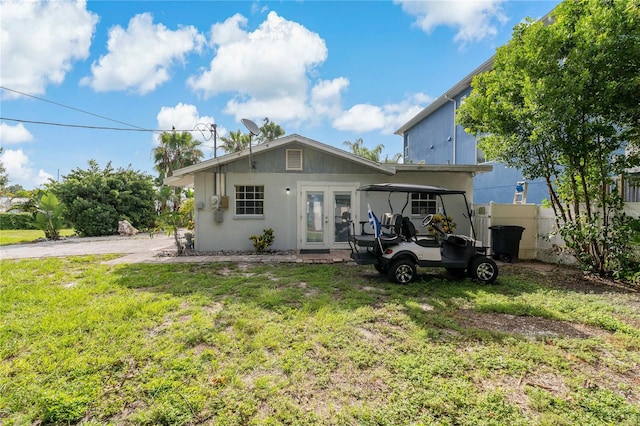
column 528, row 326
column 568, row 278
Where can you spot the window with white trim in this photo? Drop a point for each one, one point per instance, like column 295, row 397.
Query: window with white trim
column 249, row 200
column 294, row 159
column 423, row 204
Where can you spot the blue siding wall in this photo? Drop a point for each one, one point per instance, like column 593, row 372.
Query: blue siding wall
column 432, row 141
column 427, row 141
column 500, row 184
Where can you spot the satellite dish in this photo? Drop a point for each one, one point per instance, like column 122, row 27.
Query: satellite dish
column 251, row 126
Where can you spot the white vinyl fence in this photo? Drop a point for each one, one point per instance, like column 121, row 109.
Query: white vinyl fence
column 539, row 240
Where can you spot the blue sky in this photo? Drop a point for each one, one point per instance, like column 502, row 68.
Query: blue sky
column 332, row 71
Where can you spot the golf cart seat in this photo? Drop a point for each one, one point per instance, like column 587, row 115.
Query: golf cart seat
column 410, row 234
column 391, row 225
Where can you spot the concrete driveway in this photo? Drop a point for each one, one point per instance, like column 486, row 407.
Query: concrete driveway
column 141, row 244
column 142, row 248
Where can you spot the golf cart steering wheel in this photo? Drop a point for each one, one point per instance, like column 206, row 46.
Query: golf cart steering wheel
column 427, row 220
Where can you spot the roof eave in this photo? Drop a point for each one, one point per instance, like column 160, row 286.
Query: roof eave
column 453, row 168
column 446, row 97
column 256, row 149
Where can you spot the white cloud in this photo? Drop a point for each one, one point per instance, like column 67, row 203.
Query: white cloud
column 10, row 135
column 326, row 97
column 140, row 57
column 40, row 42
column 20, row 171
column 473, row 19
column 361, row 118
column 268, row 68
column 186, row 117
column 387, row 118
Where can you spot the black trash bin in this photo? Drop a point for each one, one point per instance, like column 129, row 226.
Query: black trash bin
column 505, row 242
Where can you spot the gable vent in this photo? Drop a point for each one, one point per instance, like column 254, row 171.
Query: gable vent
column 294, row 159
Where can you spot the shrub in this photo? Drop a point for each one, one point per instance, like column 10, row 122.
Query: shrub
column 97, row 198
column 264, row 241
column 91, row 218
column 16, row 221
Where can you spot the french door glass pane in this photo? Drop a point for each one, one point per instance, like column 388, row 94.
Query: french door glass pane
column 342, row 214
column 315, row 216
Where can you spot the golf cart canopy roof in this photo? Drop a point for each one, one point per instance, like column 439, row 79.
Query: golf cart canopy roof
column 408, row 187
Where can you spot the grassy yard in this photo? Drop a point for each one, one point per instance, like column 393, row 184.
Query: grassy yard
column 11, row 236
column 231, row 344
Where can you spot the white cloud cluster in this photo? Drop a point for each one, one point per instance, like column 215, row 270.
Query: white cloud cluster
column 269, row 69
column 271, row 72
column 186, row 117
column 11, row 135
column 20, row 169
column 36, row 49
column 474, row 19
column 386, row 119
column 140, row 57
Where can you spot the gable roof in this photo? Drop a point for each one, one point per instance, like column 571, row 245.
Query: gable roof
column 184, row 176
column 181, row 176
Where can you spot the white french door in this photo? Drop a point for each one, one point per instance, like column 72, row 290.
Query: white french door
column 324, row 211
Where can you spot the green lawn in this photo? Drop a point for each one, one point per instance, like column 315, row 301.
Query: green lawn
column 11, row 236
column 229, row 344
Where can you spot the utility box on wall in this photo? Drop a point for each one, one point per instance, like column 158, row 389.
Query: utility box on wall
column 224, row 202
column 218, row 216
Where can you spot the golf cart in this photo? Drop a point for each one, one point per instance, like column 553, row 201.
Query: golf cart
column 396, row 249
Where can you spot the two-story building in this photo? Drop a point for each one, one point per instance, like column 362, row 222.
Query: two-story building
column 433, row 137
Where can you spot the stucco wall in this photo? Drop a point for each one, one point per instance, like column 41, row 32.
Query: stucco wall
column 281, row 209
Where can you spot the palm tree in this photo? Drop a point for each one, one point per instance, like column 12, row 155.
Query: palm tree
column 358, row 148
column 269, row 131
column 395, row 159
column 176, row 150
column 235, row 142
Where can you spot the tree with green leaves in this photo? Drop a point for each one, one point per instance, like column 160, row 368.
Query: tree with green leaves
column 269, row 131
column 176, row 150
column 394, row 159
column 4, row 177
column 357, row 147
column 235, row 142
column 562, row 102
column 96, row 199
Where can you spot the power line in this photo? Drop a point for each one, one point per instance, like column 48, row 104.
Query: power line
column 74, row 109
column 82, row 126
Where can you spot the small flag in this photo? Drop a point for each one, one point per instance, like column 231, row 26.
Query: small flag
column 374, row 222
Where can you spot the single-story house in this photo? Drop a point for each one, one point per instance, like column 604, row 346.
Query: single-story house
column 305, row 191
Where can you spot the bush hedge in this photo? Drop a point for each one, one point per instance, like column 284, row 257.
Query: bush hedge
column 16, row 221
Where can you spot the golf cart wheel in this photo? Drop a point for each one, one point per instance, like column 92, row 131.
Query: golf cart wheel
column 483, row 269
column 380, row 268
column 402, row 271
